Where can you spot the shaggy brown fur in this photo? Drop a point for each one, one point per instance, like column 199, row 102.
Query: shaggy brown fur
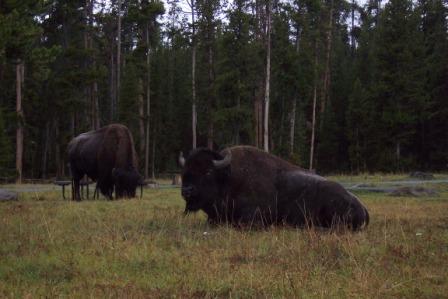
column 107, row 156
column 262, row 189
column 254, row 173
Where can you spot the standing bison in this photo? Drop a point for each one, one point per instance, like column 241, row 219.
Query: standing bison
column 107, row 156
column 245, row 186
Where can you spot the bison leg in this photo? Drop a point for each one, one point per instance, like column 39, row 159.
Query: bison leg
column 76, row 178
column 106, row 188
column 76, row 196
column 96, row 193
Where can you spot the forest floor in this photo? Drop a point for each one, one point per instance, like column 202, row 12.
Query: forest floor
column 146, row 248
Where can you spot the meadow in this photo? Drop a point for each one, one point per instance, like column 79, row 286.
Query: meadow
column 146, row 248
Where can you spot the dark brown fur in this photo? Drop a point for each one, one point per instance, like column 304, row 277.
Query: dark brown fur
column 260, row 188
column 107, row 156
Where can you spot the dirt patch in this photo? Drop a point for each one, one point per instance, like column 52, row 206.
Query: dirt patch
column 414, row 191
column 421, row 175
column 6, row 195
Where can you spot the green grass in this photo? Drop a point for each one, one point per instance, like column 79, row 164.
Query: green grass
column 145, row 248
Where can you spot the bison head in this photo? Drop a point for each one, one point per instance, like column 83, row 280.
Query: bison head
column 339, row 206
column 126, row 181
column 204, row 178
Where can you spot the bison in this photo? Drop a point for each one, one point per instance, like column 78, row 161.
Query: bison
column 107, row 156
column 243, row 185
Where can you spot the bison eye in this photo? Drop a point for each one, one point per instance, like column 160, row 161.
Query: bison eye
column 209, row 173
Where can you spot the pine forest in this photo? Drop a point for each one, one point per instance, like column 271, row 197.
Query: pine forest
column 338, row 86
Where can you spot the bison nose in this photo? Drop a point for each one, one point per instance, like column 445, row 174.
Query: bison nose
column 187, row 191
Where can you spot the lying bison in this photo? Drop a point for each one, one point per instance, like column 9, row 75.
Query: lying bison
column 107, row 156
column 245, row 186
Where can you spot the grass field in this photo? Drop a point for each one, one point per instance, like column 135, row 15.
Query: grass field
column 145, row 248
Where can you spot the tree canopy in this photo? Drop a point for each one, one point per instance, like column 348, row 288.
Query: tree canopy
column 378, row 74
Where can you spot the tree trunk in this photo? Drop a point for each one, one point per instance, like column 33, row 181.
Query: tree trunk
column 57, row 152
column 238, row 106
column 148, row 100
column 118, row 64
column 210, row 135
column 93, row 91
column 193, row 77
column 20, row 67
column 1, row 80
column 194, row 124
column 72, row 124
column 281, row 127
column 258, row 113
column 292, row 120
column 153, row 164
column 313, row 128
column 268, row 79
column 96, row 104
column 45, row 149
column 112, row 85
column 292, row 123
column 358, row 152
column 257, row 121
column 211, row 97
column 89, row 113
column 327, row 74
column 352, row 48
column 141, row 119
column 260, row 94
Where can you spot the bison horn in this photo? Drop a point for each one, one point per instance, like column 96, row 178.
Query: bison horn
column 218, row 164
column 181, row 159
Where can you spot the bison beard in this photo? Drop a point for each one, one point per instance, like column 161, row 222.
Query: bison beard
column 107, row 156
column 246, row 186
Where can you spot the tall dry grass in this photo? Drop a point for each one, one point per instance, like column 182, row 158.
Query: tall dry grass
column 146, row 248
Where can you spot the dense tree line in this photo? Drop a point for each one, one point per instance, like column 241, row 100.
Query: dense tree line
column 328, row 84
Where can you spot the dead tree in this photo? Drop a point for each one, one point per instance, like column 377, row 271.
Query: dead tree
column 268, row 77
column 20, row 72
